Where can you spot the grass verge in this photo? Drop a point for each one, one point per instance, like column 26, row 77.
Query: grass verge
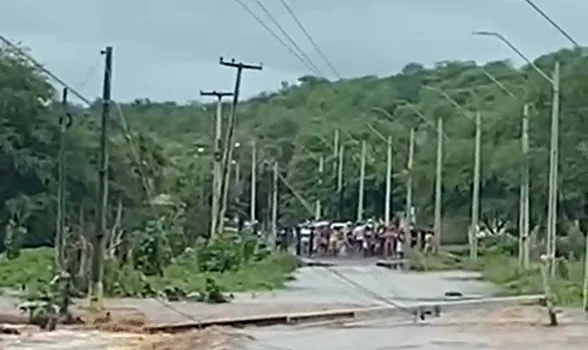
column 503, row 270
column 33, row 269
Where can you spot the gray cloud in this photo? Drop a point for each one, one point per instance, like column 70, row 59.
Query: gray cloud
column 169, row 50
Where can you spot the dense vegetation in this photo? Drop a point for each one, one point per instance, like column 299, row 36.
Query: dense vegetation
column 160, row 153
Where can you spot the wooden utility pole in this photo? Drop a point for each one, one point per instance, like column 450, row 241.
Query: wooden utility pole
column 96, row 291
column 476, row 189
column 388, row 182
column 438, row 184
column 410, row 175
column 553, row 174
column 229, row 143
column 318, row 209
column 361, row 181
column 340, row 182
column 217, row 157
column 275, row 204
column 253, row 196
column 524, row 248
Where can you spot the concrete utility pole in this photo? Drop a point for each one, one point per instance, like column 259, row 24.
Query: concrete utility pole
column 96, row 291
column 553, row 173
column 335, row 150
column 438, row 184
column 340, row 182
column 318, row 209
column 476, row 189
column 585, row 287
column 524, row 249
column 217, row 156
column 65, row 122
column 554, row 80
column 228, row 144
column 409, row 167
column 275, row 204
column 253, row 196
column 361, row 181
column 524, row 225
column 388, row 182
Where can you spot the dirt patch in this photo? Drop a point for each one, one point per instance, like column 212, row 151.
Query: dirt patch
column 214, row 338
column 127, row 321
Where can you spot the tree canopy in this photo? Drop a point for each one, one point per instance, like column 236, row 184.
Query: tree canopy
column 164, row 149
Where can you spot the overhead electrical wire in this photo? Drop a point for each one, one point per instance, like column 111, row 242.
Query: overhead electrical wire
column 276, row 36
column 287, row 36
column 309, row 37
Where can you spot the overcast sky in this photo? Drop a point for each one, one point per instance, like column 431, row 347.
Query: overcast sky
column 169, row 50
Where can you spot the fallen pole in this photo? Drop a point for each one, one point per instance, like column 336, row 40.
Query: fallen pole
column 418, row 310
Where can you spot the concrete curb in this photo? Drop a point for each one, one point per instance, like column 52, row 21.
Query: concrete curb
column 259, row 321
column 347, row 314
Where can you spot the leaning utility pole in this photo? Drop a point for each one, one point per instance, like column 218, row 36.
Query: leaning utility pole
column 361, row 181
column 318, row 209
column 476, row 189
column 388, row 182
column 340, row 182
column 438, row 184
column 524, row 248
column 217, row 156
column 410, row 177
column 96, row 291
column 275, row 205
column 252, row 203
column 228, row 144
column 553, row 173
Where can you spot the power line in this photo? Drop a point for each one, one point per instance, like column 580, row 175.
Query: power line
column 39, row 66
column 309, row 37
column 277, row 37
column 286, row 35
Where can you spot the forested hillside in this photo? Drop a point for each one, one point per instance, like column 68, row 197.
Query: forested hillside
column 166, row 148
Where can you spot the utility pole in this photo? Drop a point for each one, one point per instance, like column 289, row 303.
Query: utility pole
column 409, row 180
column 438, row 184
column 335, row 150
column 388, row 182
column 361, row 181
column 229, row 144
column 553, row 174
column 96, row 281
column 476, row 189
column 217, row 157
column 65, row 122
column 318, row 209
column 524, row 249
column 335, row 211
column 253, row 197
column 340, row 182
column 275, row 205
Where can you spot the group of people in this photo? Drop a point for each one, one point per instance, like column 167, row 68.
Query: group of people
column 367, row 239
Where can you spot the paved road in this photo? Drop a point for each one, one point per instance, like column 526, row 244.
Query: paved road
column 511, row 329
column 319, row 288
